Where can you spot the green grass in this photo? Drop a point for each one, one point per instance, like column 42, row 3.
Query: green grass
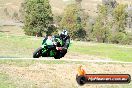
column 26, row 63
column 12, row 46
column 12, row 30
column 113, row 51
column 11, row 81
column 18, row 46
column 5, row 81
column 20, row 63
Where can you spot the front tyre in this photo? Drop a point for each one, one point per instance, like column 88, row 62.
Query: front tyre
column 37, row 53
column 58, row 55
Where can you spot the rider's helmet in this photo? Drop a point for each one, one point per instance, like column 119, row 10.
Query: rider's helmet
column 64, row 34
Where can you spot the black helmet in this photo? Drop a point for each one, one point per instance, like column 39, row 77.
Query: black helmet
column 64, row 34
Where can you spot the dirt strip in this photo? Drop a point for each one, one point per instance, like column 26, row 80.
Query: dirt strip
column 61, row 75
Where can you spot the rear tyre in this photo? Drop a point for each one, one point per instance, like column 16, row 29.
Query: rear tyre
column 37, row 53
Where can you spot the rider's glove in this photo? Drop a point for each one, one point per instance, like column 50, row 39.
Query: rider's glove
column 59, row 48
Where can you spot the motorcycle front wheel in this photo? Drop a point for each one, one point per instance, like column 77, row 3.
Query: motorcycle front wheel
column 58, row 55
column 37, row 53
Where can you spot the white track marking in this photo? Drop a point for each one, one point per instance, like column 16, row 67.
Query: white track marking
column 64, row 59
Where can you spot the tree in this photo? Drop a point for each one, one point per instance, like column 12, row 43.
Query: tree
column 101, row 27
column 101, row 32
column 6, row 11
column 15, row 16
column 22, row 12
column 57, row 19
column 37, row 17
column 120, row 15
column 73, row 21
column 79, row 1
column 129, row 19
column 110, row 3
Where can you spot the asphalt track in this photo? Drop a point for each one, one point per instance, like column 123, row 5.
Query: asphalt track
column 65, row 59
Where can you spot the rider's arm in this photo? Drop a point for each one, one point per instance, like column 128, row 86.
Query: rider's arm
column 67, row 42
column 44, row 40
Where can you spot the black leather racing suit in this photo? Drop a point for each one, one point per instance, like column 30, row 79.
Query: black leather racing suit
column 65, row 46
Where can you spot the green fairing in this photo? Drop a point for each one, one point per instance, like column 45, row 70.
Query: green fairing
column 50, row 42
column 59, row 40
column 48, row 48
column 52, row 53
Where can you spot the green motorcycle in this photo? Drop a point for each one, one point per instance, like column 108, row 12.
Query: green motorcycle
column 49, row 48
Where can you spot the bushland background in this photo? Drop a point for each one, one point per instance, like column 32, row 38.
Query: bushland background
column 99, row 29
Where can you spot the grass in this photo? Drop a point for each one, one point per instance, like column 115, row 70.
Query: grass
column 113, row 51
column 12, row 30
column 18, row 46
column 13, row 46
column 26, row 63
column 20, row 63
column 5, row 81
column 10, row 81
column 30, row 74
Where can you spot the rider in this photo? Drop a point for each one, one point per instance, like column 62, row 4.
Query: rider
column 65, row 38
column 66, row 41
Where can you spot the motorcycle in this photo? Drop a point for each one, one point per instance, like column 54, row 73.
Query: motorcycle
column 51, row 47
